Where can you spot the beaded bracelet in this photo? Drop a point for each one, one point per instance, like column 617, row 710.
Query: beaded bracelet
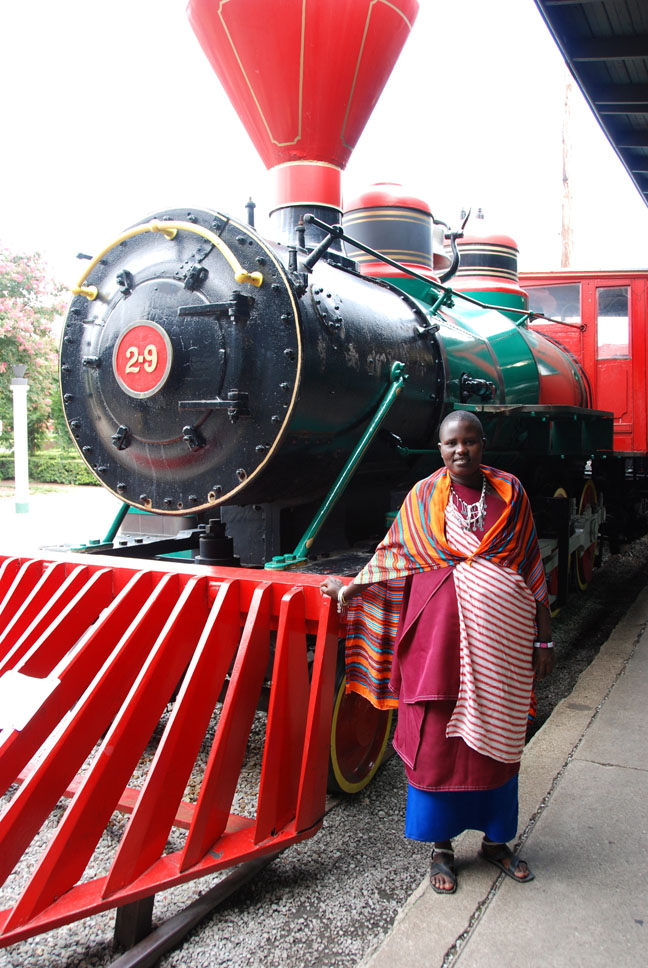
column 341, row 604
column 543, row 645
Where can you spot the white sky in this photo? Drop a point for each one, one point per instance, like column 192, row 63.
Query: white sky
column 110, row 112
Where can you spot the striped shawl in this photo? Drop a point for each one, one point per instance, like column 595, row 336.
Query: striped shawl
column 416, row 542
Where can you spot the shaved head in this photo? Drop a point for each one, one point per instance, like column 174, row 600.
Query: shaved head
column 464, row 416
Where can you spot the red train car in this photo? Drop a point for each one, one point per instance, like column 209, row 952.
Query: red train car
column 601, row 318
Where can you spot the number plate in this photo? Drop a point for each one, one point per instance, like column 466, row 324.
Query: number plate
column 142, row 359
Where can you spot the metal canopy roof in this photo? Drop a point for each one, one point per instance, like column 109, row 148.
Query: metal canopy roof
column 605, row 45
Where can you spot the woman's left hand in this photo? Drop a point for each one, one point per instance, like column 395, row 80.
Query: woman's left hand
column 543, row 662
column 543, row 659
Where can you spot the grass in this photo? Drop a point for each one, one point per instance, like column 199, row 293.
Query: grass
column 7, row 488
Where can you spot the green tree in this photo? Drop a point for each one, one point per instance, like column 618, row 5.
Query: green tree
column 30, row 301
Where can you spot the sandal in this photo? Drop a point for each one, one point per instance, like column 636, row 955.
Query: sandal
column 501, row 852
column 447, row 870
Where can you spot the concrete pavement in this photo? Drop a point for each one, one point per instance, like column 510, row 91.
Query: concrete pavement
column 66, row 515
column 583, row 829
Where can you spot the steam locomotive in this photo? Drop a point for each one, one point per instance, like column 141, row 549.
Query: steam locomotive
column 269, row 402
column 266, row 403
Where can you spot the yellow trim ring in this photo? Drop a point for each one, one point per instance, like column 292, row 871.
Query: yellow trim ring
column 169, row 230
column 349, row 786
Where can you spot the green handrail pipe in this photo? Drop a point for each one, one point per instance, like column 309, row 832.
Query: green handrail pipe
column 117, row 523
column 283, row 562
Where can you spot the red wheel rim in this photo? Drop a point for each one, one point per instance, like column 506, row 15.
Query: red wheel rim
column 359, row 734
column 552, row 577
column 585, row 561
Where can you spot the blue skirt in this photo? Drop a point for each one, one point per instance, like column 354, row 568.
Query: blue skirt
column 435, row 816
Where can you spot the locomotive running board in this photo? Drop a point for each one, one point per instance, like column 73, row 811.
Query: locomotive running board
column 91, row 653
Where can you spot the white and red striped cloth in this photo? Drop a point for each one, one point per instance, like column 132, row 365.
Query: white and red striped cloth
column 496, row 617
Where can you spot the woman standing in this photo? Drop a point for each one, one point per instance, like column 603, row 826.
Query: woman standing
column 451, row 615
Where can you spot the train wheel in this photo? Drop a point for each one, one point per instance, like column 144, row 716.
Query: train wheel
column 552, row 577
column 585, row 560
column 359, row 734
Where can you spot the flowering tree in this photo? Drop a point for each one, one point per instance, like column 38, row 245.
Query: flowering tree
column 29, row 303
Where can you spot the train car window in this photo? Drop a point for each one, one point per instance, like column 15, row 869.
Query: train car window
column 613, row 324
column 562, row 302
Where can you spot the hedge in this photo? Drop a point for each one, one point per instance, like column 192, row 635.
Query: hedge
column 51, row 467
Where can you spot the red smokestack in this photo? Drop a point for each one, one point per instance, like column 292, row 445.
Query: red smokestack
column 304, row 77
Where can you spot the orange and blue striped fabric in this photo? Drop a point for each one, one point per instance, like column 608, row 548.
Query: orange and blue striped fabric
column 416, row 542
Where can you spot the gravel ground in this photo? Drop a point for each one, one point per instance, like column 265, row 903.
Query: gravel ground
column 324, row 903
column 585, row 623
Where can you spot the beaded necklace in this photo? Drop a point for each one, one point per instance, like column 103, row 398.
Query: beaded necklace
column 471, row 516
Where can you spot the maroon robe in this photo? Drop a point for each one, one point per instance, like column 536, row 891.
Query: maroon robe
column 425, row 675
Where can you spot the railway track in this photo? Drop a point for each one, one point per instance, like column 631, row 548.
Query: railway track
column 148, row 950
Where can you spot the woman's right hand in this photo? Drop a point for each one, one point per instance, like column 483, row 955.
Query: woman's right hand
column 331, row 587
